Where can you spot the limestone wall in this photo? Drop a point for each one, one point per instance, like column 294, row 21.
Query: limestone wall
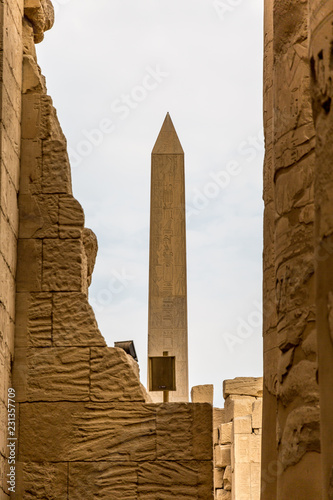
column 10, row 109
column 84, row 426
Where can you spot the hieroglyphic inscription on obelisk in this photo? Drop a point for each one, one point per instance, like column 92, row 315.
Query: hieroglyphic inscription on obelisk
column 167, row 323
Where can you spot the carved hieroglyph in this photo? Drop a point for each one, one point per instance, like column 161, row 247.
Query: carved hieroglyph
column 167, row 324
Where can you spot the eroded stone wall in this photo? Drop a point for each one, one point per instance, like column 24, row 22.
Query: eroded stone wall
column 85, row 427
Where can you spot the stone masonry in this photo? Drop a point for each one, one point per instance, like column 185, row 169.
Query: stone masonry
column 85, row 426
column 237, row 430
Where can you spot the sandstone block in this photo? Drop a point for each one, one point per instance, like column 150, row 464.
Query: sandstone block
column 53, row 374
column 40, row 481
column 243, row 386
column 67, row 431
column 33, row 319
column 29, row 266
column 184, row 431
column 168, row 480
column 62, row 265
column 255, row 448
column 31, row 166
column 56, row 170
column 31, row 116
column 218, row 416
column 74, row 322
column 238, row 406
column 226, row 433
column 227, row 478
column 38, row 216
column 32, row 80
column 242, row 481
column 223, row 495
column 202, row 394
column 218, row 478
column 257, row 414
column 113, row 377
column 222, row 456
column 243, row 425
column 90, row 480
column 70, row 211
column 242, row 448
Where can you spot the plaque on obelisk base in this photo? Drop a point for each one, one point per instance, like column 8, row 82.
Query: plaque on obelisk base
column 167, row 317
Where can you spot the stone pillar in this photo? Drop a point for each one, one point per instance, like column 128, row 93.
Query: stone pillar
column 321, row 61
column 298, row 443
column 167, row 322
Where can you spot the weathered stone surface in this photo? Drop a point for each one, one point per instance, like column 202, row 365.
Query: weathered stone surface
column 32, row 80
column 75, row 431
column 202, row 394
column 300, row 435
column 218, row 416
column 74, row 322
column 218, row 478
column 222, row 456
column 242, row 425
column 300, row 383
column 56, row 170
column 113, row 377
column 227, row 478
column 33, row 319
column 223, row 495
column 243, row 386
column 169, row 480
column 29, row 266
column 226, row 433
column 238, row 406
column 41, row 15
column 31, row 166
column 102, row 480
column 40, row 481
column 62, row 265
column 38, row 216
column 257, row 414
column 184, row 431
column 54, row 374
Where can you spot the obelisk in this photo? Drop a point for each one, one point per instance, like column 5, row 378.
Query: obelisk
column 167, row 316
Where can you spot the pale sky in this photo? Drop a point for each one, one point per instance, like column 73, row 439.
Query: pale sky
column 114, row 68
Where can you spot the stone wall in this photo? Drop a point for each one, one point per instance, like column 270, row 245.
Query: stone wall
column 85, row 426
column 237, row 430
column 10, row 95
